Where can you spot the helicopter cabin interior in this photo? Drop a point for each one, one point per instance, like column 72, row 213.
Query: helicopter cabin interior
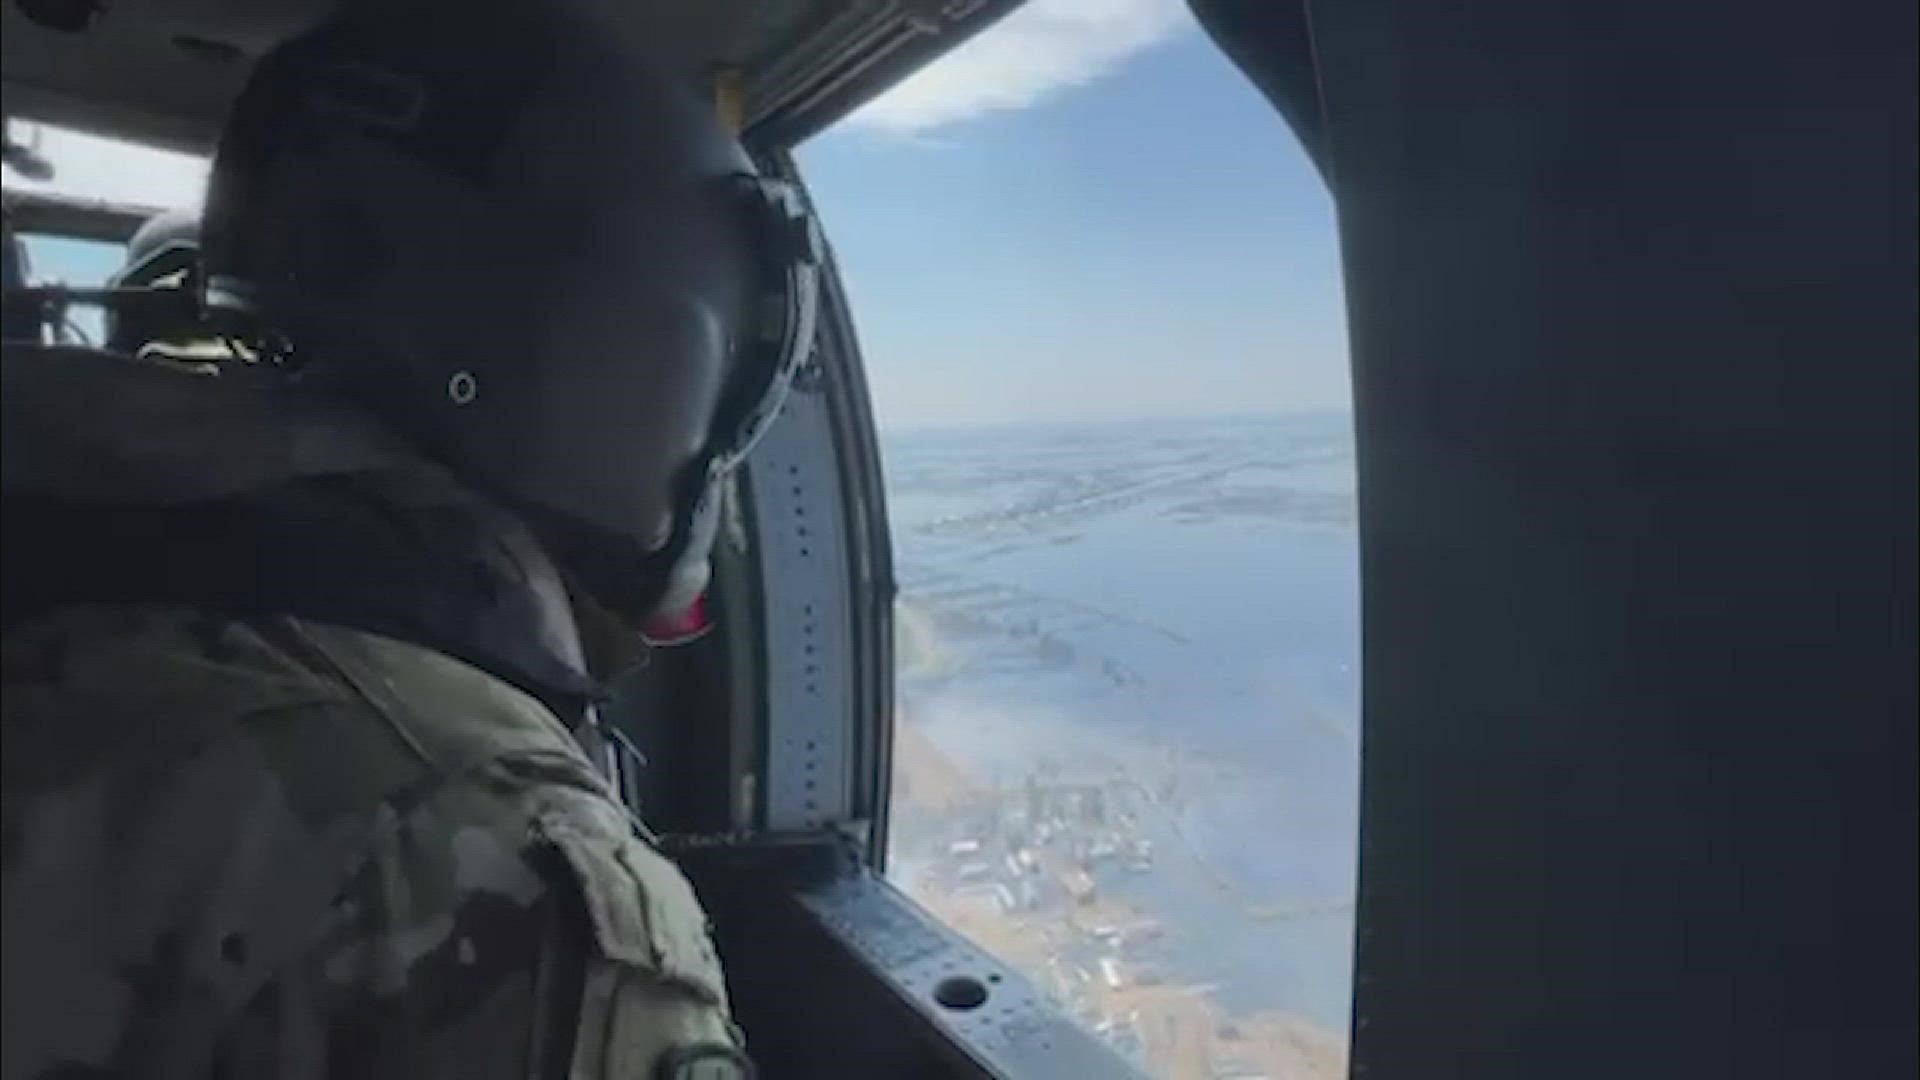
column 1630, row 288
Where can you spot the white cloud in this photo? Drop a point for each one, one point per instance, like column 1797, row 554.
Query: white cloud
column 1044, row 47
column 92, row 167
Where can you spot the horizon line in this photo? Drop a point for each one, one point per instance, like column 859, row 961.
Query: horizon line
column 915, row 427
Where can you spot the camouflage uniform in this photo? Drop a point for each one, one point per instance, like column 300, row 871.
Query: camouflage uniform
column 271, row 847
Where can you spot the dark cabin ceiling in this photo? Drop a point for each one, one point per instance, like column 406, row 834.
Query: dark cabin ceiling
column 163, row 71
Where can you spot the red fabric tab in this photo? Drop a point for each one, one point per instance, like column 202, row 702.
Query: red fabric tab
column 678, row 629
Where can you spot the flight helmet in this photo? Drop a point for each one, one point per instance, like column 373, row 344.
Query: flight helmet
column 164, row 252
column 532, row 252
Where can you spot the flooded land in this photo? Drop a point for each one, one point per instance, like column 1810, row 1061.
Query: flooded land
column 1128, row 708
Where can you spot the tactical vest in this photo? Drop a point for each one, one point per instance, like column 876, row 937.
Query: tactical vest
column 387, row 544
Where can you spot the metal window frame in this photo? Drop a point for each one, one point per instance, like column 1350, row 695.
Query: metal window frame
column 815, row 511
column 824, row 560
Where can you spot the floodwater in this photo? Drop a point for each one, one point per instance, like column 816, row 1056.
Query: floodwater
column 1169, row 609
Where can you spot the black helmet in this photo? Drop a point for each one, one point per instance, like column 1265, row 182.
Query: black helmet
column 534, row 254
column 163, row 253
column 168, row 243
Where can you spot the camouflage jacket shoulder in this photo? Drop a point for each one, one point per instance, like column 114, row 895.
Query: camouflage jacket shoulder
column 274, row 848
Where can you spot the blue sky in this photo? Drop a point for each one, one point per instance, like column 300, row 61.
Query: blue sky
column 1146, row 239
column 1084, row 213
